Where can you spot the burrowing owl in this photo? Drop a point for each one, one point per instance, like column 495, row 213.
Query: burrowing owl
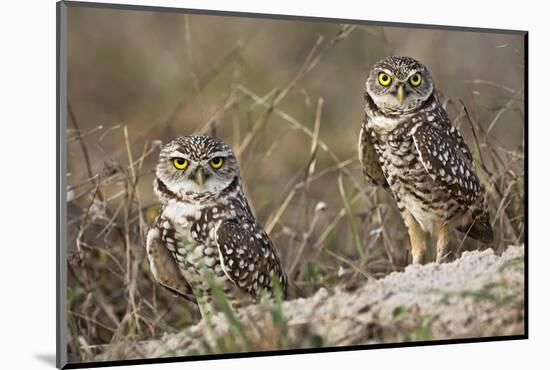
column 409, row 146
column 205, row 231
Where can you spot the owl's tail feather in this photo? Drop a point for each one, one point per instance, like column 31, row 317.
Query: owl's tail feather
column 293, row 291
column 480, row 229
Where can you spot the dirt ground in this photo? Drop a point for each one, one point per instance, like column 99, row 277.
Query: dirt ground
column 479, row 295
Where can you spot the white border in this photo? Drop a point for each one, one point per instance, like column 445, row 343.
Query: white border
column 28, row 183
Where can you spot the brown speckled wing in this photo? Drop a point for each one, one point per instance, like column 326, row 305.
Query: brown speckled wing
column 447, row 160
column 248, row 257
column 163, row 266
column 369, row 159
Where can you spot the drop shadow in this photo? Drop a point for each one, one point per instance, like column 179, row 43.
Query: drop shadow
column 47, row 358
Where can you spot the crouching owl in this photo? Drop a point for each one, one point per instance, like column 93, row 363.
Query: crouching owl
column 205, row 234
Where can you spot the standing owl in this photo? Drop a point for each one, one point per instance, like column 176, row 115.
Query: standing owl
column 409, row 146
column 205, row 232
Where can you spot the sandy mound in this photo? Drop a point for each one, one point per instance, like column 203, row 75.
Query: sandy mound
column 480, row 294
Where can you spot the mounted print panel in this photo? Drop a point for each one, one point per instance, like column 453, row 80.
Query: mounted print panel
column 239, row 184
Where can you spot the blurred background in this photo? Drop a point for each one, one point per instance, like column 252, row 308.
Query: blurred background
column 288, row 97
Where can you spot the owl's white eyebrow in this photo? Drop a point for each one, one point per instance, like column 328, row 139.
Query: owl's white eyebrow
column 180, row 153
column 224, row 153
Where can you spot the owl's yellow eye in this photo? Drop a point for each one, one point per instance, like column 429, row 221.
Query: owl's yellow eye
column 384, row 78
column 216, row 162
column 180, row 163
column 415, row 79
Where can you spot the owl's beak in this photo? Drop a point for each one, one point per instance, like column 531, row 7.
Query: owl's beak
column 199, row 176
column 401, row 94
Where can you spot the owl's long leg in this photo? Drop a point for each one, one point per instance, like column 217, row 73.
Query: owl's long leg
column 206, row 306
column 210, row 305
column 443, row 251
column 418, row 238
